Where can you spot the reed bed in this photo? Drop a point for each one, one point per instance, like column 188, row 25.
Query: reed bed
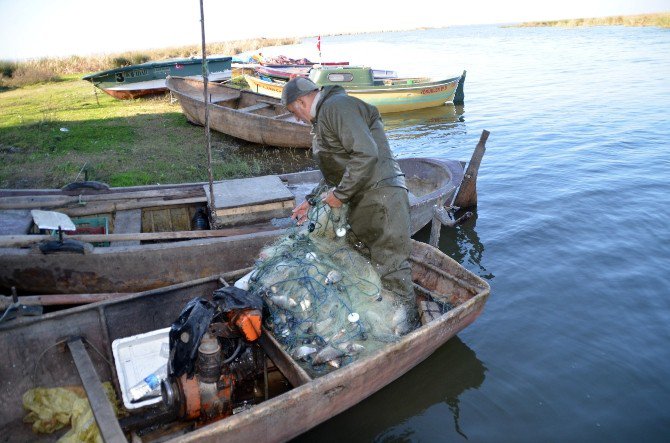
column 16, row 74
column 661, row 20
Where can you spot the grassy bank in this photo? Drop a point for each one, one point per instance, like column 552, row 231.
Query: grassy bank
column 661, row 20
column 53, row 133
column 16, row 74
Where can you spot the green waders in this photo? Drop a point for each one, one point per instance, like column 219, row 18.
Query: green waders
column 380, row 220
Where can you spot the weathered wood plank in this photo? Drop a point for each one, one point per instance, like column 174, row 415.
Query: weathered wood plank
column 467, row 194
column 8, row 241
column 95, row 208
column 128, row 222
column 254, row 107
column 15, row 222
column 54, row 201
column 180, row 219
column 102, row 409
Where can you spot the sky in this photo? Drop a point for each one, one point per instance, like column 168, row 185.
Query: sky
column 60, row 28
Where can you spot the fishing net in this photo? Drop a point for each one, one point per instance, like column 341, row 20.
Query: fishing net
column 325, row 301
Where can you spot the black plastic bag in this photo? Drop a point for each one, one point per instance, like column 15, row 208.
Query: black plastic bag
column 185, row 335
column 232, row 298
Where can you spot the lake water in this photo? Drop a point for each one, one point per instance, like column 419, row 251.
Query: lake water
column 572, row 232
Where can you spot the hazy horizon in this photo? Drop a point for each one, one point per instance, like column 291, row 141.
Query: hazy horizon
column 43, row 28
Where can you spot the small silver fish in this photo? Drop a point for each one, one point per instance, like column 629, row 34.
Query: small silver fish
column 335, row 363
column 283, row 301
column 333, row 277
column 327, row 354
column 303, row 352
column 351, row 348
column 338, row 335
column 399, row 321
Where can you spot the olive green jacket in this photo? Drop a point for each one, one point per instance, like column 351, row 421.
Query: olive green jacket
column 350, row 145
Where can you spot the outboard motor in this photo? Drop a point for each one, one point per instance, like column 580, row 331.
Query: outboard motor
column 212, row 353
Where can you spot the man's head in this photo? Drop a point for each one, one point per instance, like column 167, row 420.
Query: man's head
column 298, row 95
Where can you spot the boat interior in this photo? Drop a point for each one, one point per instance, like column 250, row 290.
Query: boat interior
column 77, row 347
column 98, row 210
column 239, row 100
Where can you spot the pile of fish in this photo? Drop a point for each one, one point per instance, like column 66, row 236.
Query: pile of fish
column 325, row 301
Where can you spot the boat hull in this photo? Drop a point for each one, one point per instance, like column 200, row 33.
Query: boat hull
column 149, row 78
column 145, row 266
column 387, row 99
column 272, row 127
column 29, row 343
column 153, row 87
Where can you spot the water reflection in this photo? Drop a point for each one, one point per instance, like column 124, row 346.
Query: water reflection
column 461, row 243
column 416, row 123
column 441, row 379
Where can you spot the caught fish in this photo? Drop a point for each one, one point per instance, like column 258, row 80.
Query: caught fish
column 336, row 363
column 283, row 301
column 303, row 352
column 322, row 326
column 305, row 304
column 351, row 348
column 327, row 354
column 338, row 335
column 399, row 321
column 333, row 277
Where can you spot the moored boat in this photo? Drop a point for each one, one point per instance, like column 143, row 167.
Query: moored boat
column 148, row 78
column 393, row 94
column 145, row 222
column 253, row 117
column 288, row 72
column 36, row 354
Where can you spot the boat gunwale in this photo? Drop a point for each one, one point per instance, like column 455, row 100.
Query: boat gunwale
column 372, row 88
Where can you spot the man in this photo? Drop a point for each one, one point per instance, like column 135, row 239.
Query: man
column 353, row 154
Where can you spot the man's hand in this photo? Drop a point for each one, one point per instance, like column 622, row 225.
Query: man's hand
column 299, row 213
column 330, row 199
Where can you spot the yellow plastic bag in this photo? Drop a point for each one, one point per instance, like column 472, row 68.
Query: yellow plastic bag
column 50, row 409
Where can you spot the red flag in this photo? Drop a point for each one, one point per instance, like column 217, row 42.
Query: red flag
column 318, row 43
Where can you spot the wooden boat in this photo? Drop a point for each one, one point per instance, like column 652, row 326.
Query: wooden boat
column 398, row 94
column 243, row 114
column 36, row 355
column 138, row 217
column 149, row 78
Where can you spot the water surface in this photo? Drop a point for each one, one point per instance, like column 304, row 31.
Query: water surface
column 572, row 232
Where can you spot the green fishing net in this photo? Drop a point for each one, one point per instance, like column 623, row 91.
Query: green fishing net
column 325, row 301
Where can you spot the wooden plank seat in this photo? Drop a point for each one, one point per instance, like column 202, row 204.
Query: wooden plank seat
column 128, row 222
column 218, row 98
column 251, row 200
column 15, row 221
column 254, row 107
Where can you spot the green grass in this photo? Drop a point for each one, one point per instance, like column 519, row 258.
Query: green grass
column 56, row 132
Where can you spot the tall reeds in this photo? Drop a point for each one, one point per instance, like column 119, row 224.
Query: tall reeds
column 21, row 73
column 661, row 19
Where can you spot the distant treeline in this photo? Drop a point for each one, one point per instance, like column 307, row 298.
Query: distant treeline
column 51, row 68
column 661, row 19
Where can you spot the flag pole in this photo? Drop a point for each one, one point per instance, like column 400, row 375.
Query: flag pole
column 318, row 46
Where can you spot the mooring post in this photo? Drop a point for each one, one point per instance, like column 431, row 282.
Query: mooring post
column 467, row 193
column 441, row 217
